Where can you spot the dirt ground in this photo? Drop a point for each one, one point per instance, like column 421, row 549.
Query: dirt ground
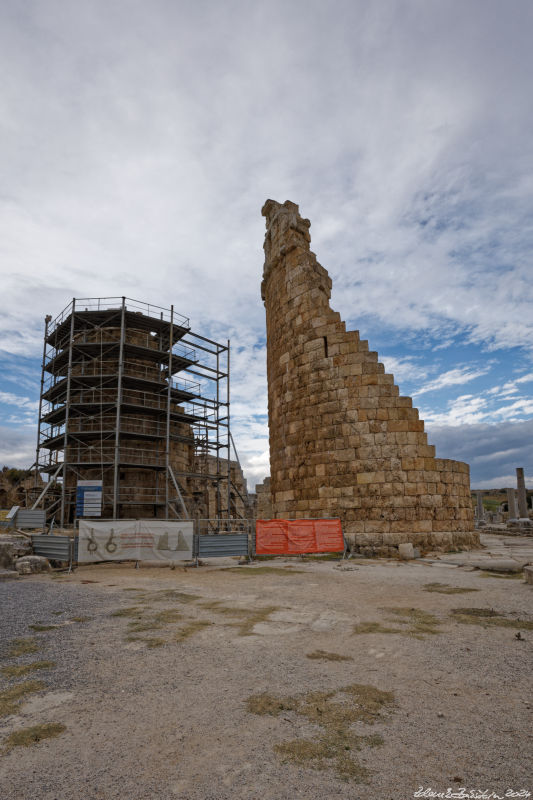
column 284, row 679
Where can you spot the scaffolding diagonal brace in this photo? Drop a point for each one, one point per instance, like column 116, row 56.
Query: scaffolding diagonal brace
column 48, row 485
column 178, row 492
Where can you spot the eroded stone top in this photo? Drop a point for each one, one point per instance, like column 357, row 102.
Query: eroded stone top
column 282, row 219
column 286, row 230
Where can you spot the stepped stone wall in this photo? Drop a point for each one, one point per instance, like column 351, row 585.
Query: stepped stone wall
column 343, row 442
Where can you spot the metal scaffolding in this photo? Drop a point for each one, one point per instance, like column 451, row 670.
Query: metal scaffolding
column 115, row 406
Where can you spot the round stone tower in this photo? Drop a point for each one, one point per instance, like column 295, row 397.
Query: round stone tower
column 343, row 442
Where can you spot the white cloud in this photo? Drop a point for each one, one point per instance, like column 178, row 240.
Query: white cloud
column 406, row 368
column 463, row 410
column 10, row 399
column 17, row 446
column 453, row 377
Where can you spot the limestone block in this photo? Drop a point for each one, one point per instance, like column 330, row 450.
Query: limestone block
column 405, row 551
column 31, row 564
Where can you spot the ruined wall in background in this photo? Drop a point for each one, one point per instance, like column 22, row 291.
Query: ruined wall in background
column 264, row 500
column 343, row 442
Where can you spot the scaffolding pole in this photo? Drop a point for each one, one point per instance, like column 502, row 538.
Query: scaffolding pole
column 67, row 411
column 218, row 434
column 116, row 488
column 169, row 399
column 229, row 431
column 47, row 321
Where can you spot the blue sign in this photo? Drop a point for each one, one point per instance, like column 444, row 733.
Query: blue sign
column 89, row 499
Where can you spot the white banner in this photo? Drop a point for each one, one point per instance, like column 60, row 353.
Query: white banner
column 136, row 540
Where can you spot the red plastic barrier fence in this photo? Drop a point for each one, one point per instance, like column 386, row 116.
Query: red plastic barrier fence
column 279, row 537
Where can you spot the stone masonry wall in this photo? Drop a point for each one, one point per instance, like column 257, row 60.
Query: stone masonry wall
column 264, row 500
column 343, row 442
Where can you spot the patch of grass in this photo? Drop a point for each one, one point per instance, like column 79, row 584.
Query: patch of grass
column 20, row 647
column 168, row 615
column 249, row 616
column 513, row 576
column 235, row 611
column 417, row 623
column 264, row 570
column 132, row 611
column 38, row 627
column 420, row 622
column 27, row 736
column 335, row 746
column 375, row 627
column 57, row 613
column 142, row 626
column 212, row 605
column 9, row 697
column 17, row 671
column 190, row 629
column 252, row 618
column 488, row 617
column 325, row 656
column 156, row 621
column 445, row 588
column 270, row 704
column 476, row 612
column 174, row 594
column 326, row 752
column 80, row 619
column 153, row 642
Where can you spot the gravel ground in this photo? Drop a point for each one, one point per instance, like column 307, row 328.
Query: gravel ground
column 172, row 721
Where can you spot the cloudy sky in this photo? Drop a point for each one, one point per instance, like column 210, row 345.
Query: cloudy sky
column 138, row 142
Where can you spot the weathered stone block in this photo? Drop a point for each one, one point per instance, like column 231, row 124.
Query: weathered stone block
column 31, row 564
column 405, row 551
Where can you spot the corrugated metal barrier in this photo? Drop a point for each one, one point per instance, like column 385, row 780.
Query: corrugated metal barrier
column 30, row 518
column 59, row 548
column 222, row 545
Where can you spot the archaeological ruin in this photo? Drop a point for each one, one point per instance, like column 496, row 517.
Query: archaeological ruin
column 131, row 397
column 343, row 441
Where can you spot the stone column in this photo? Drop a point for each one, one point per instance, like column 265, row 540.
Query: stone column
column 522, row 497
column 511, row 502
column 480, row 511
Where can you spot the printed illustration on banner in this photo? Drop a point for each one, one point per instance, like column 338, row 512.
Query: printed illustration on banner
column 137, row 540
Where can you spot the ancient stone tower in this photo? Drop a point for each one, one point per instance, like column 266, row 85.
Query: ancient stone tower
column 343, row 442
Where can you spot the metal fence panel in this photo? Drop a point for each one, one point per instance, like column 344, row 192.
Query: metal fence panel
column 55, row 547
column 30, row 518
column 217, row 526
column 222, row 545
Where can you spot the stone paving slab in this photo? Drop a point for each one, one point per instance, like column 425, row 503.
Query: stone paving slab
column 500, row 554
